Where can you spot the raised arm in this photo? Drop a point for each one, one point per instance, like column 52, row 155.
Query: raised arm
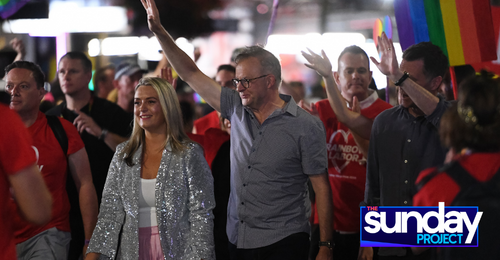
column 362, row 143
column 18, row 46
column 388, row 65
column 356, row 122
column 80, row 170
column 207, row 88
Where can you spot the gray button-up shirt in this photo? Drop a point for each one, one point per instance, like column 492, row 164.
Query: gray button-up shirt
column 270, row 164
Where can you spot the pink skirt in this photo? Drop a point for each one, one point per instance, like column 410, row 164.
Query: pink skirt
column 149, row 244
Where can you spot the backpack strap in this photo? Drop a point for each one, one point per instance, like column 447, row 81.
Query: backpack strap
column 426, row 179
column 59, row 132
column 461, row 176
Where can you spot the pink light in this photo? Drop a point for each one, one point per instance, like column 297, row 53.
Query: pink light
column 262, row 8
column 61, row 45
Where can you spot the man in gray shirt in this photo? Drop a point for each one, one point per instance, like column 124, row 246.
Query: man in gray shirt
column 275, row 148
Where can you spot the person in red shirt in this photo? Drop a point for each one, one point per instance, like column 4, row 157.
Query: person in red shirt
column 224, row 77
column 475, row 145
column 19, row 172
column 25, row 83
column 347, row 115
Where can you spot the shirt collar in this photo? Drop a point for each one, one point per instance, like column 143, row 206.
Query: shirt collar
column 367, row 101
column 290, row 106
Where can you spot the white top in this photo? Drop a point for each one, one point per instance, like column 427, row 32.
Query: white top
column 2, row 85
column 147, row 207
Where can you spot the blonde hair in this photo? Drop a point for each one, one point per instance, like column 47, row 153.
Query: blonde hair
column 169, row 102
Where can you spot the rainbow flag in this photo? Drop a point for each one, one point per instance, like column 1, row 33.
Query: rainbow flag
column 462, row 28
column 382, row 26
column 10, row 7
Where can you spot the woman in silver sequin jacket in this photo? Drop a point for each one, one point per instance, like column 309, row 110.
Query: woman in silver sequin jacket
column 184, row 196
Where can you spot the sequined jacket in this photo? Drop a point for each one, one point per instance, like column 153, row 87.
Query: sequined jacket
column 184, row 203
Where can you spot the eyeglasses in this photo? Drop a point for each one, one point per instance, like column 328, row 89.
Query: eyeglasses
column 246, row 82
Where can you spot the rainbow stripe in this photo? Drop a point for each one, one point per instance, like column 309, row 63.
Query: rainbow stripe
column 10, row 7
column 382, row 26
column 462, row 28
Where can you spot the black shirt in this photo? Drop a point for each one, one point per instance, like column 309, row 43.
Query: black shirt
column 108, row 116
column 401, row 146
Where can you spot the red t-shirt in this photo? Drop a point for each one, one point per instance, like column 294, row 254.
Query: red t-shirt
column 211, row 142
column 442, row 188
column 53, row 165
column 197, row 138
column 211, row 120
column 346, row 165
column 16, row 154
column 214, row 138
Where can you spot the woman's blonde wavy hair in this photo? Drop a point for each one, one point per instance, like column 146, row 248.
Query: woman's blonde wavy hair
column 173, row 117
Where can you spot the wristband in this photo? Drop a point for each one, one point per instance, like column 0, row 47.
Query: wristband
column 403, row 78
column 104, row 132
column 87, row 242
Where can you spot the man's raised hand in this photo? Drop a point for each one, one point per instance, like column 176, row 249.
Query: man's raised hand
column 388, row 64
column 321, row 64
column 154, row 23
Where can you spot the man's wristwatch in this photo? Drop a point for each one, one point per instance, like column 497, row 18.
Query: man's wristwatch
column 328, row 244
column 403, row 78
column 104, row 132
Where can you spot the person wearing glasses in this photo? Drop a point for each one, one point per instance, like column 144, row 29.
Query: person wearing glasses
column 275, row 148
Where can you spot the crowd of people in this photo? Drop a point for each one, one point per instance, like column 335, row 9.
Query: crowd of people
column 129, row 172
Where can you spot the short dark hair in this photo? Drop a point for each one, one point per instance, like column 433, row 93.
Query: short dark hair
column 227, row 67
column 435, row 62
column 34, row 68
column 99, row 74
column 268, row 61
column 474, row 121
column 77, row 55
column 354, row 50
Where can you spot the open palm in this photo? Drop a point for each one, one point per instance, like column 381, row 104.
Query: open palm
column 321, row 64
column 154, row 23
column 388, row 64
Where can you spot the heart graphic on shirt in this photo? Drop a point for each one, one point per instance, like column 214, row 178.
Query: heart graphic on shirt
column 338, row 167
